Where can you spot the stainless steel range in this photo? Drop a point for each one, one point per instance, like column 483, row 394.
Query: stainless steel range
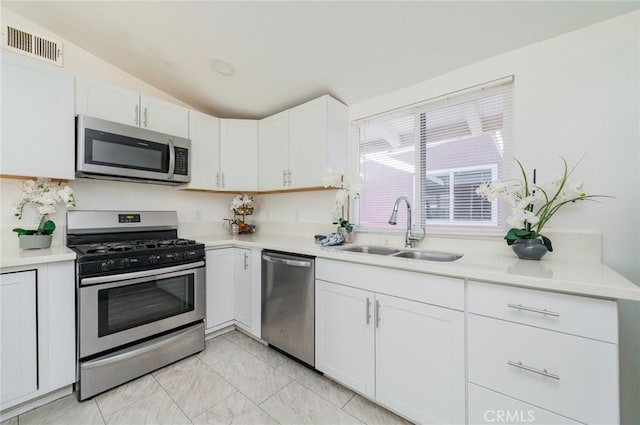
column 140, row 295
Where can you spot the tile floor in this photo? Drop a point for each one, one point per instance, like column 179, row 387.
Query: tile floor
column 235, row 380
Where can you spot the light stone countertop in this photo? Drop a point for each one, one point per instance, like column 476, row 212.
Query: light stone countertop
column 30, row 257
column 582, row 277
column 569, row 275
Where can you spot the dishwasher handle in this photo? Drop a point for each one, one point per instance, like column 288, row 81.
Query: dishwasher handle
column 285, row 261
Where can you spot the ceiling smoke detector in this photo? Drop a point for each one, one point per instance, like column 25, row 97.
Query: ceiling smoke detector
column 222, row 67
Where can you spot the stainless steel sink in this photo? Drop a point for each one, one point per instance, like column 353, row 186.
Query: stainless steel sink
column 393, row 252
column 429, row 255
column 369, row 249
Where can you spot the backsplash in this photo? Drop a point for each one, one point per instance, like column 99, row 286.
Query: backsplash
column 199, row 213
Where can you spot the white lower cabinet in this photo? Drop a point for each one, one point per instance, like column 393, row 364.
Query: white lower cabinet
column 18, row 330
column 242, row 290
column 490, row 407
column 37, row 332
column 569, row 375
column 219, row 288
column 554, row 351
column 233, row 289
column 420, row 360
column 345, row 342
column 407, row 355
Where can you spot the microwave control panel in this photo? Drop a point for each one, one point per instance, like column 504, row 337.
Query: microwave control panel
column 182, row 161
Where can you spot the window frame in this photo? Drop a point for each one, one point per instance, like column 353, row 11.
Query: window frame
column 450, row 228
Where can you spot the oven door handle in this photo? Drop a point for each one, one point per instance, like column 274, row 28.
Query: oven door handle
column 135, row 275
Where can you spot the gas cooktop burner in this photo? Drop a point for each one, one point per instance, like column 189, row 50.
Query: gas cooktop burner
column 127, row 246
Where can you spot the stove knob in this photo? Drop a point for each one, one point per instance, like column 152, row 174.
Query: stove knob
column 178, row 256
column 153, row 259
column 111, row 265
column 124, row 263
column 104, row 266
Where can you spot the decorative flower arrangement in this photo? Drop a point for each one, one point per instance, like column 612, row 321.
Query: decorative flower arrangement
column 533, row 205
column 45, row 195
column 242, row 204
column 347, row 189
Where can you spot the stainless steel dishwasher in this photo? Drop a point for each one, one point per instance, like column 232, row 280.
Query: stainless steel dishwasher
column 288, row 303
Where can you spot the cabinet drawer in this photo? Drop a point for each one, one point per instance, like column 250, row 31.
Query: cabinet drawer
column 588, row 317
column 569, row 375
column 431, row 289
column 489, row 407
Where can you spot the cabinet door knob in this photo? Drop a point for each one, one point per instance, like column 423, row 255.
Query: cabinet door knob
column 377, row 314
column 145, row 118
column 246, row 261
column 284, row 178
column 137, row 117
column 368, row 310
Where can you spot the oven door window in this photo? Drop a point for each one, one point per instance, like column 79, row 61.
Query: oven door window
column 125, row 152
column 129, row 306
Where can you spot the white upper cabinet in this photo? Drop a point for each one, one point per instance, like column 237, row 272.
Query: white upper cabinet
column 205, row 151
column 164, row 117
column 295, row 146
column 38, row 130
column 112, row 103
column 318, row 135
column 273, row 152
column 238, row 155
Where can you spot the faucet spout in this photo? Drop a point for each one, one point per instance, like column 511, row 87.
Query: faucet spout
column 410, row 238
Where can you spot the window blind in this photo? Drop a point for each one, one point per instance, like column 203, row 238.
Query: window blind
column 437, row 153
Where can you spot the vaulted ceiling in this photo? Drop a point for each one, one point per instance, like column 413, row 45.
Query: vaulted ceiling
column 288, row 52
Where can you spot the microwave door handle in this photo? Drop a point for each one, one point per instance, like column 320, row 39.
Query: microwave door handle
column 172, row 159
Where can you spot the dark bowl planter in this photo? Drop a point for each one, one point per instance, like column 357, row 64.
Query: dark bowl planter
column 529, row 249
column 34, row 241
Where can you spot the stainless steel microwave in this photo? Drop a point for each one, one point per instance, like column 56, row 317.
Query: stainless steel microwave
column 113, row 151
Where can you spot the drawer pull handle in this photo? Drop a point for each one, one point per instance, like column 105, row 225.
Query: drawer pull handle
column 368, row 310
column 534, row 310
column 543, row 372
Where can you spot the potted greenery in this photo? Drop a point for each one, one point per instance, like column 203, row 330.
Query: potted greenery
column 44, row 195
column 532, row 206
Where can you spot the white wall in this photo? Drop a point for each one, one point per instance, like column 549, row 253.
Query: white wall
column 576, row 94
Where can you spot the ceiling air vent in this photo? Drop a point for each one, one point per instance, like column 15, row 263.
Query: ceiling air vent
column 32, row 45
